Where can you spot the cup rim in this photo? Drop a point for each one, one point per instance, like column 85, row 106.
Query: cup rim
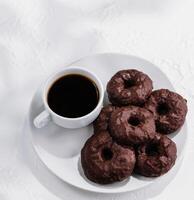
column 50, row 81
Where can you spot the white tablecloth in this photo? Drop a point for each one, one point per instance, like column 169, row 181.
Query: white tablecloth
column 39, row 36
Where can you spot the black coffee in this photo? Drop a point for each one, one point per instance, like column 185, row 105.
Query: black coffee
column 73, row 96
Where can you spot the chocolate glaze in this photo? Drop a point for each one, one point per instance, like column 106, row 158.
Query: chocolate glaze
column 104, row 161
column 169, row 109
column 156, row 157
column 132, row 125
column 129, row 87
column 102, row 122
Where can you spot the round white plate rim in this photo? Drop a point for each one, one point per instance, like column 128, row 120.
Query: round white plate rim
column 102, row 190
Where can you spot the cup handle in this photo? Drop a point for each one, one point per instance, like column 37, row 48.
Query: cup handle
column 42, row 119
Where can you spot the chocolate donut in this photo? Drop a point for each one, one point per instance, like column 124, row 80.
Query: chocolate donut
column 104, row 161
column 169, row 109
column 156, row 157
column 129, row 87
column 132, row 125
column 102, row 121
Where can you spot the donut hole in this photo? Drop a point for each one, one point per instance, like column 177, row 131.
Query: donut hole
column 134, row 121
column 129, row 83
column 163, row 108
column 106, row 154
column 152, row 149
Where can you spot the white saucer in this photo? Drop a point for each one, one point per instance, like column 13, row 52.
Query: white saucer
column 59, row 148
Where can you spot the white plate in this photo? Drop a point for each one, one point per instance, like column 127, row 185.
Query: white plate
column 59, row 148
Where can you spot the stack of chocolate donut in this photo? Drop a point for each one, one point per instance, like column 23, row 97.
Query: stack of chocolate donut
column 130, row 134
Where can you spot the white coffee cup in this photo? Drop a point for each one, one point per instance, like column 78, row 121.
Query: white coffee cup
column 49, row 115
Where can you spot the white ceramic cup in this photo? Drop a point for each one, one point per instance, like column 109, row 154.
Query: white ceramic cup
column 49, row 115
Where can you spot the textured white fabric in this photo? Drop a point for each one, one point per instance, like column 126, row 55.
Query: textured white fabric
column 39, row 36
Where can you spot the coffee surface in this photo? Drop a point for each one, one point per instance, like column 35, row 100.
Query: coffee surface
column 73, row 96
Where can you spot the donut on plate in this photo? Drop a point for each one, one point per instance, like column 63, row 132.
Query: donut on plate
column 129, row 87
column 157, row 157
column 104, row 161
column 102, row 121
column 169, row 109
column 132, row 125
